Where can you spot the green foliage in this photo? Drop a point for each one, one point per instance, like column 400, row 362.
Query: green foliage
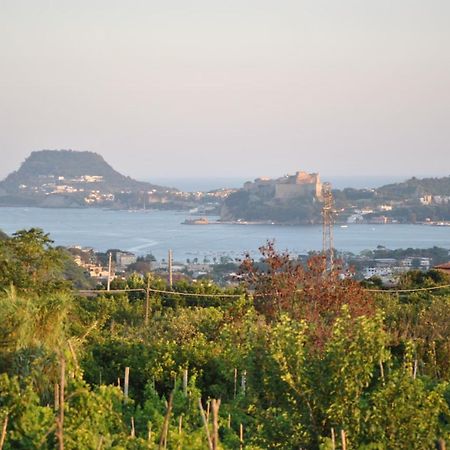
column 321, row 389
column 381, row 374
column 404, row 413
column 416, row 187
column 32, row 332
column 418, row 279
column 30, row 263
column 28, row 421
column 243, row 205
column 342, row 387
column 94, row 416
column 76, row 274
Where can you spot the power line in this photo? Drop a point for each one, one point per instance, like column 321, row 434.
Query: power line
column 193, row 294
column 395, row 291
column 157, row 291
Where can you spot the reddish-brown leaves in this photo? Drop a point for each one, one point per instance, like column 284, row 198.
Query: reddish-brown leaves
column 284, row 285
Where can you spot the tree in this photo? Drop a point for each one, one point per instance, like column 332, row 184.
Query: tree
column 33, row 330
column 282, row 285
column 29, row 262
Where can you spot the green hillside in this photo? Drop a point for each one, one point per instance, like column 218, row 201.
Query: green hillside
column 415, row 187
column 43, row 165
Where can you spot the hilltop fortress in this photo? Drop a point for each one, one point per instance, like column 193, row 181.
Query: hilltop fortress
column 301, row 184
column 290, row 199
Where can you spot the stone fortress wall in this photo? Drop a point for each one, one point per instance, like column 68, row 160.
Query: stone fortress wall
column 302, row 184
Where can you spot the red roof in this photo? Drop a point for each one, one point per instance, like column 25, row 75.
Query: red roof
column 445, row 267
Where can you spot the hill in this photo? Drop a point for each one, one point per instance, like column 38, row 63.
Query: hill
column 293, row 199
column 415, row 187
column 411, row 201
column 67, row 178
column 72, row 166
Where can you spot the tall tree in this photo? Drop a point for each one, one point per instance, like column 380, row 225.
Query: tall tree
column 30, row 263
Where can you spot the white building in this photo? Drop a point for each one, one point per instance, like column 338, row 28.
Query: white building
column 124, row 259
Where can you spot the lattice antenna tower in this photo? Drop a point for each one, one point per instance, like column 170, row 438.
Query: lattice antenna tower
column 327, row 226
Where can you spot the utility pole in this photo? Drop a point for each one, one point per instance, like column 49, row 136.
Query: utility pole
column 147, row 299
column 109, row 272
column 170, row 268
column 327, row 226
column 60, row 418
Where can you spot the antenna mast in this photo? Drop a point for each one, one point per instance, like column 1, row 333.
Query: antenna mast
column 327, row 226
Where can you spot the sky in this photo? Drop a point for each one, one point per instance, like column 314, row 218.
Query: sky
column 236, row 88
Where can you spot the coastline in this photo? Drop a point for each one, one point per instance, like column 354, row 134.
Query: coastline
column 439, row 223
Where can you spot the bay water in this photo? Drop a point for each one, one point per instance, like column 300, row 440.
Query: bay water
column 153, row 231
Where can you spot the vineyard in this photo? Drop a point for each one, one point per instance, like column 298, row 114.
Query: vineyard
column 296, row 357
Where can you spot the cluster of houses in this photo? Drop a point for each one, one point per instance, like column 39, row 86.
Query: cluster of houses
column 58, row 184
column 86, row 258
column 387, row 269
column 98, row 197
column 435, row 199
column 369, row 215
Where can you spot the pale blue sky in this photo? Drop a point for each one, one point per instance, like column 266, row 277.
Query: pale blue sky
column 230, row 88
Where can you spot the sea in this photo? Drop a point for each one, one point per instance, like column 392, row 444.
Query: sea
column 153, row 231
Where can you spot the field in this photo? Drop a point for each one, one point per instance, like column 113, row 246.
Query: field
column 295, row 357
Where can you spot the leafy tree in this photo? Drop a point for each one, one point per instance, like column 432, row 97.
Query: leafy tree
column 32, row 333
column 30, row 262
column 29, row 423
column 351, row 384
column 404, row 413
column 283, row 285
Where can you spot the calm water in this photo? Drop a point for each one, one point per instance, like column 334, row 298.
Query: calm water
column 156, row 231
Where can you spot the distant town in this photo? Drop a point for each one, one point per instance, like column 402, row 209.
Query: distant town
column 70, row 179
column 383, row 266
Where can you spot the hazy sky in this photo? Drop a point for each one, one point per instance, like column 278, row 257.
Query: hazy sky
column 170, row 88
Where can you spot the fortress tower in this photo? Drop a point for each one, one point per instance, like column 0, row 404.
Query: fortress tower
column 301, row 184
